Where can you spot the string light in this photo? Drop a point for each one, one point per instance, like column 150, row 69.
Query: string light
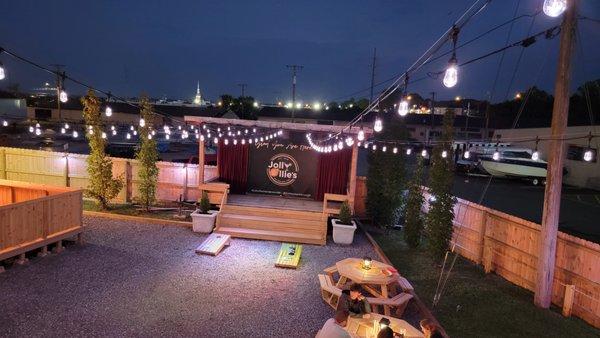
column 536, row 155
column 75, row 134
column 38, row 131
column 134, row 132
column 167, row 136
column 554, row 8
column 588, row 155
column 496, row 155
column 451, row 74
column 408, row 151
column 2, row 72
column 114, row 132
column 384, row 148
column 395, row 150
column 424, row 152
column 128, row 136
column 103, row 135
column 361, row 134
column 142, row 122
column 63, row 96
column 444, row 154
column 63, row 130
column 4, row 123
column 31, row 129
column 108, row 111
column 378, row 126
column 467, row 154
column 403, row 107
column 67, row 126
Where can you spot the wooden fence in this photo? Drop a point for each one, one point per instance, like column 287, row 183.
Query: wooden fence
column 509, row 246
column 70, row 170
column 33, row 216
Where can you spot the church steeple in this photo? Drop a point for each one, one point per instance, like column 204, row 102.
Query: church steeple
column 198, row 98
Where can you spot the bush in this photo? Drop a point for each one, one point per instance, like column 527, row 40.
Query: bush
column 345, row 215
column 147, row 155
column 204, row 203
column 413, row 223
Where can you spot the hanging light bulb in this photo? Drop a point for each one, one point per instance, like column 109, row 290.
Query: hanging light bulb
column 134, row 132
column 149, row 136
column 37, row 125
column 467, row 154
column 128, row 136
column 361, row 134
column 75, row 134
column 202, row 138
column 535, row 155
column 234, row 142
column 588, row 155
column 378, row 126
column 374, row 147
column 451, row 74
column 2, row 72
column 38, row 131
column 63, row 96
column 243, row 141
column 249, row 141
column 108, row 111
column 103, row 135
column 142, row 122
column 63, row 130
column 496, row 155
column 153, row 133
column 403, row 107
column 31, row 130
column 215, row 140
column 554, row 8
column 340, row 145
column 67, row 126
column 395, row 150
column 424, row 152
column 131, row 128
column 384, row 148
column 167, row 136
column 4, row 123
column 408, row 151
column 112, row 127
column 114, row 132
column 444, row 154
column 335, row 147
column 366, row 145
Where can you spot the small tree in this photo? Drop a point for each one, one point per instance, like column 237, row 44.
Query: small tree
column 102, row 186
column 345, row 215
column 147, row 155
column 385, row 178
column 441, row 211
column 204, row 203
column 413, row 223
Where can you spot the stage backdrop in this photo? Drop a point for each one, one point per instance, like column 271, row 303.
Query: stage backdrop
column 282, row 167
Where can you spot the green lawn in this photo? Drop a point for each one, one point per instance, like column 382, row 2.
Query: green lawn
column 475, row 304
column 130, row 210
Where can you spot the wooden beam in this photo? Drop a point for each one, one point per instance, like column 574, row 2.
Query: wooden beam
column 352, row 178
column 556, row 153
column 201, row 152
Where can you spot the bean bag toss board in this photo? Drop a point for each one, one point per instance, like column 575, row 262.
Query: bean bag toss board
column 289, row 255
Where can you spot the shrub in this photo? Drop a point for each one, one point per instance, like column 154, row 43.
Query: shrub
column 345, row 215
column 147, row 155
column 204, row 203
column 413, row 223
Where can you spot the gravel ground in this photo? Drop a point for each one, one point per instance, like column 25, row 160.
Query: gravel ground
column 133, row 279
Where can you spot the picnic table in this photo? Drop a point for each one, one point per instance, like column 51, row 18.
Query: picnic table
column 379, row 280
column 369, row 327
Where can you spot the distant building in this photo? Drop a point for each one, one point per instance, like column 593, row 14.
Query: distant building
column 12, row 107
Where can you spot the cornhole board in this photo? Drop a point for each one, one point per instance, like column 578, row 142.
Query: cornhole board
column 289, row 255
column 213, row 244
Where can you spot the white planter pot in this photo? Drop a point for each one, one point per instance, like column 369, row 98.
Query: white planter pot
column 342, row 233
column 203, row 223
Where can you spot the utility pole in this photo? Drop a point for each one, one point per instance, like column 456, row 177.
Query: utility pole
column 556, row 152
column 243, row 86
column 295, row 69
column 373, row 73
column 59, row 71
column 432, row 109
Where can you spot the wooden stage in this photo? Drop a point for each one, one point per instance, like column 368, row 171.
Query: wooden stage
column 274, row 218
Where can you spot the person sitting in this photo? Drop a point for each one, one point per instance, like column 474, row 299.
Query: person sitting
column 353, row 301
column 430, row 329
column 386, row 332
column 334, row 327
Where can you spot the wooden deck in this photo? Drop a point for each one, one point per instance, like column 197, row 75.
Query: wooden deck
column 273, row 218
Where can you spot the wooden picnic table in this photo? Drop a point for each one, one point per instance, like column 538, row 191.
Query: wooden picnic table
column 365, row 327
column 374, row 280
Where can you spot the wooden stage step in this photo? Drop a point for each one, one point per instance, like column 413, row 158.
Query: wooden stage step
column 272, row 212
column 273, row 235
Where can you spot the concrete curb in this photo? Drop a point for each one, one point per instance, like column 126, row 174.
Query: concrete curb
column 137, row 218
column 425, row 312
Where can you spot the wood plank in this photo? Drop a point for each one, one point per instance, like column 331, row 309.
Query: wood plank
column 272, row 235
column 213, row 244
column 289, row 255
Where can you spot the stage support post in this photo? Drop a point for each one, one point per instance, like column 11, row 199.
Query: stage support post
column 556, row 154
column 352, row 178
column 200, row 162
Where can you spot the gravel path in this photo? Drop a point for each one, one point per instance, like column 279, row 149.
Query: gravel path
column 133, row 279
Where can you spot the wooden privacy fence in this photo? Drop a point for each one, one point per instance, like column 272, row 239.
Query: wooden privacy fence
column 34, row 216
column 70, row 170
column 509, row 246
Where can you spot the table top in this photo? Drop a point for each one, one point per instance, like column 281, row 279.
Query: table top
column 363, row 327
column 352, row 268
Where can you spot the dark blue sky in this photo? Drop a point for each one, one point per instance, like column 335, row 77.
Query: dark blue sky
column 164, row 47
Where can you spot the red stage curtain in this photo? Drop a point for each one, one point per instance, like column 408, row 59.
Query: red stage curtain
column 233, row 166
column 332, row 173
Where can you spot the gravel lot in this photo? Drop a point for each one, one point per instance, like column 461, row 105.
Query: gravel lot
column 133, row 279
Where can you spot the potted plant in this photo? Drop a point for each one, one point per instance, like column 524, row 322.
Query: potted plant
column 203, row 219
column 344, row 226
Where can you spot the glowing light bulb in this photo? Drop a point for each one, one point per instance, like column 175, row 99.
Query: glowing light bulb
column 202, row 138
column 535, row 156
column 361, row 134
column 38, row 131
column 216, row 140
column 444, row 154
column 467, row 154
column 149, row 136
column 142, row 122
column 408, row 151
column 108, row 111
column 75, row 134
column 250, row 141
column 63, row 96
column 335, row 147
column 67, row 126
column 374, row 147
column 153, row 133
column 451, row 74
column 395, row 150
column 243, row 141
column 588, row 155
column 378, row 126
column 37, row 125
column 403, row 108
column 167, row 136
column 128, row 136
column 340, row 145
column 31, row 129
column 2, row 72
column 496, row 155
column 134, row 132
column 112, row 127
column 4, row 123
column 63, row 130
column 226, row 141
column 554, row 8
column 103, row 135
column 234, row 142
column 317, row 106
column 384, row 148
column 424, row 152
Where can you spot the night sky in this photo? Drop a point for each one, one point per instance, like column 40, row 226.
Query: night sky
column 163, row 48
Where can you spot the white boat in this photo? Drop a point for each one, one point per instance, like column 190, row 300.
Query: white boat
column 513, row 163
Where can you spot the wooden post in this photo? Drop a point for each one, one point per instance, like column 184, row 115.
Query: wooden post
column 551, row 212
column 482, row 230
column 3, row 164
column 200, row 162
column 66, row 171
column 568, row 300
column 352, row 178
column 43, row 252
column 185, row 182
column 127, row 181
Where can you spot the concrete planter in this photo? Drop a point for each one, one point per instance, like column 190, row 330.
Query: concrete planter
column 342, row 233
column 203, row 223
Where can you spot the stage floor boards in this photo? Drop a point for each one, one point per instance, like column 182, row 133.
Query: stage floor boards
column 276, row 202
